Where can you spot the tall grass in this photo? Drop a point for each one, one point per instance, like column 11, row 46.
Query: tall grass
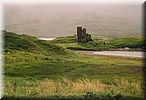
column 66, row 87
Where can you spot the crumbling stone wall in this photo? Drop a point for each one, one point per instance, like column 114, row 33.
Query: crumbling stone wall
column 82, row 36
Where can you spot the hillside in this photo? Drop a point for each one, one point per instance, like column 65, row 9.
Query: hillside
column 28, row 43
column 15, row 42
column 132, row 43
column 43, row 69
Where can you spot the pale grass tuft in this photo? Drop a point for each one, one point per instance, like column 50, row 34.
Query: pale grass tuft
column 86, row 85
column 48, row 87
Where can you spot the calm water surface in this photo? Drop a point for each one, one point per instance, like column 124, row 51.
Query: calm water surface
column 131, row 54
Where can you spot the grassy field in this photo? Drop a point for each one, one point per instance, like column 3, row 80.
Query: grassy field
column 36, row 69
column 134, row 43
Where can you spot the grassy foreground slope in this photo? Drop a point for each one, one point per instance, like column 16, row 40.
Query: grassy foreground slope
column 70, row 42
column 15, row 42
column 36, row 68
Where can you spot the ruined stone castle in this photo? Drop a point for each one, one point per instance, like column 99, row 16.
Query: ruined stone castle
column 82, row 36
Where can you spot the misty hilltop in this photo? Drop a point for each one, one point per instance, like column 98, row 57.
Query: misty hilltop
column 61, row 20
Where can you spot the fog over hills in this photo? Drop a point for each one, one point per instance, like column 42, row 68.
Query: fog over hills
column 61, row 20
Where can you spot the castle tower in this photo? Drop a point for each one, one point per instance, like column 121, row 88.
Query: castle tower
column 79, row 33
column 82, row 36
column 84, row 31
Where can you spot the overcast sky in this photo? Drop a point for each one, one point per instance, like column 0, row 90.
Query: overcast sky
column 73, row 1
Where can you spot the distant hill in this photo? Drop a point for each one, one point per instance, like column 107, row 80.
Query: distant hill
column 59, row 46
column 133, row 43
column 102, row 21
column 15, row 42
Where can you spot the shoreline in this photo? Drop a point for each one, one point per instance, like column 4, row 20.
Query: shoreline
column 131, row 54
column 47, row 39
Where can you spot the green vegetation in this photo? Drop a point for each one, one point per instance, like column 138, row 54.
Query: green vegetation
column 43, row 69
column 15, row 42
column 134, row 43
